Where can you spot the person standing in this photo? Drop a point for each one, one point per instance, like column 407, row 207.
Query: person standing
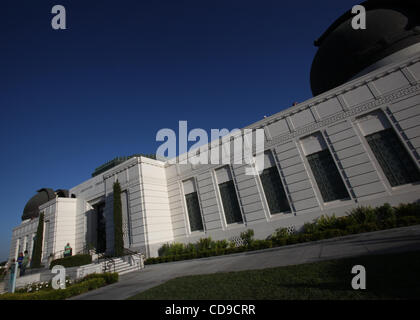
column 24, row 264
column 19, row 261
column 67, row 250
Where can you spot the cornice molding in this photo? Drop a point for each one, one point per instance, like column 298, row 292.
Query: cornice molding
column 315, row 126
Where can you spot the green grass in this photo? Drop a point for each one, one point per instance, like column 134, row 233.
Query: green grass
column 390, row 276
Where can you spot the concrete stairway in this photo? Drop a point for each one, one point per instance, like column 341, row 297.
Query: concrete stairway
column 122, row 266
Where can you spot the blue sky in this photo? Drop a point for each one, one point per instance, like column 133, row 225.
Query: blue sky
column 73, row 99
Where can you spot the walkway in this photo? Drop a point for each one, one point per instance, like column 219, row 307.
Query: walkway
column 386, row 241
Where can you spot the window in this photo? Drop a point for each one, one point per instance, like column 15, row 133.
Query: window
column 230, row 202
column 327, row 176
column 323, row 167
column 228, row 195
column 193, row 206
column 388, row 149
column 194, row 213
column 273, row 187
column 393, row 158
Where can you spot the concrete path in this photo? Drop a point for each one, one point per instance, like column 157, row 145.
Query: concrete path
column 386, row 241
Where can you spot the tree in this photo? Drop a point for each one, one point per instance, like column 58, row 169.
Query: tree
column 118, row 232
column 37, row 251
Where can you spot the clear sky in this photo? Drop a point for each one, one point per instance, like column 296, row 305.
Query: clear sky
column 73, row 99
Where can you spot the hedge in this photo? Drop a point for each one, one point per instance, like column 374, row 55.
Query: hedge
column 90, row 282
column 73, row 261
column 361, row 219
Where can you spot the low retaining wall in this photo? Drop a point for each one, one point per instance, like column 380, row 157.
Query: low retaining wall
column 46, row 275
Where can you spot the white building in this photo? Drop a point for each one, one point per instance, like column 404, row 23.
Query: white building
column 357, row 142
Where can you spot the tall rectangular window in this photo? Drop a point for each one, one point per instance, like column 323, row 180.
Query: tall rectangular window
column 228, row 194
column 325, row 172
column 273, row 187
column 388, row 149
column 193, row 206
column 393, row 158
column 327, row 176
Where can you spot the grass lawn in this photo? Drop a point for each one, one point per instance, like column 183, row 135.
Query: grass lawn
column 390, row 276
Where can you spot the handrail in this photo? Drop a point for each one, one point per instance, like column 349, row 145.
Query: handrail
column 108, row 263
column 138, row 254
column 132, row 253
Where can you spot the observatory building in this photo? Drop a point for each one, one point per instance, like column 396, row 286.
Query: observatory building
column 356, row 142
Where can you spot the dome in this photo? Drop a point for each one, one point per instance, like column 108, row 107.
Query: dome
column 44, row 195
column 392, row 26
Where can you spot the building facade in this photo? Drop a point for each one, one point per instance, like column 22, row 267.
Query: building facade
column 356, row 144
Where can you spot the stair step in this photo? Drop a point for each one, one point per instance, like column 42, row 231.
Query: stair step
column 121, row 266
column 128, row 271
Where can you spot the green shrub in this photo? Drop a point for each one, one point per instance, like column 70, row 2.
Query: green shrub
column 361, row 219
column 332, row 233
column 109, row 277
column 73, row 261
column 247, row 237
column 190, row 248
column 410, row 209
column 309, row 228
column 220, row 244
column 279, row 241
column 292, row 239
column 204, row 244
column 163, row 250
column 261, row 244
column 407, row 221
column 362, row 215
column 385, row 212
column 326, row 222
column 353, row 229
column 305, row 237
column 317, row 236
column 90, row 282
column 369, row 227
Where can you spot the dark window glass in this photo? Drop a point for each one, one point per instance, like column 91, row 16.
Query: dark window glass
column 101, row 228
column 393, row 158
column 230, row 202
column 274, row 191
column 327, row 176
column 194, row 213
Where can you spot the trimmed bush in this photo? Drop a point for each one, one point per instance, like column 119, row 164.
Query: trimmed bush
column 362, row 215
column 73, row 261
column 410, row 209
column 261, row 244
column 361, row 219
column 407, row 221
column 90, row 282
column 247, row 237
column 204, row 244
column 108, row 277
